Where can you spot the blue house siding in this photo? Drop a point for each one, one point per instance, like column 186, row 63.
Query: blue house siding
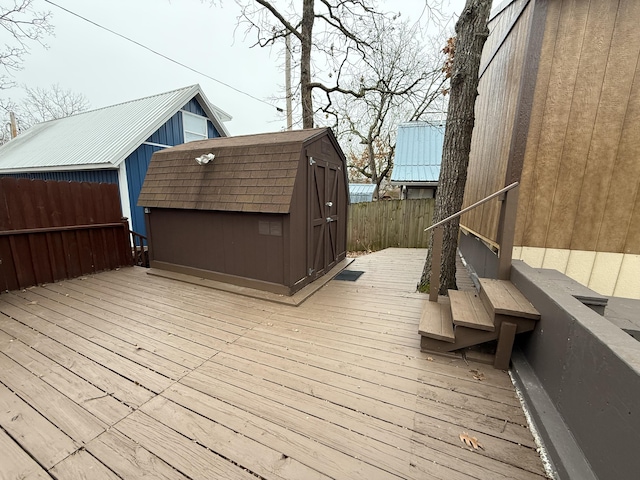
column 211, row 130
column 94, row 176
column 171, row 133
column 137, row 164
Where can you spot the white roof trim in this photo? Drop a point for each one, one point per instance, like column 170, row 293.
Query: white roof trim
column 60, row 168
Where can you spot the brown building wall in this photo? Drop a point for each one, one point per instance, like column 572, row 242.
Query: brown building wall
column 582, row 165
column 239, row 244
column 559, row 110
column 497, row 105
column 298, row 226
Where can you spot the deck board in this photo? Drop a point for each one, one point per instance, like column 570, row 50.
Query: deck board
column 16, row 463
column 129, row 460
column 228, row 386
column 35, row 434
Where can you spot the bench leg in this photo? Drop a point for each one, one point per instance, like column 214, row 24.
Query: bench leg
column 505, row 345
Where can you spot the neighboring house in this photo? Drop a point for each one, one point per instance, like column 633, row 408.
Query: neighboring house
column 361, row 192
column 266, row 211
column 113, row 144
column 559, row 111
column 416, row 167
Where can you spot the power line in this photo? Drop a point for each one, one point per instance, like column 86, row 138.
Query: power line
column 162, row 55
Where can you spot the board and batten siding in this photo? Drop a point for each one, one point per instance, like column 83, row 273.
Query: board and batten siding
column 501, row 70
column 578, row 161
column 579, row 209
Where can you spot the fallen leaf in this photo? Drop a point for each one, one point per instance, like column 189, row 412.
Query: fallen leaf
column 430, row 359
column 478, row 375
column 32, row 303
column 470, row 441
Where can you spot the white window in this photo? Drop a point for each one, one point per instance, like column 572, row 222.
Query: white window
column 195, row 127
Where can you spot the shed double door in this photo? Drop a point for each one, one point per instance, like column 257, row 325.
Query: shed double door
column 326, row 222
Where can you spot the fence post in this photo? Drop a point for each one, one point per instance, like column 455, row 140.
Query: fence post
column 129, row 242
column 507, row 232
column 436, row 259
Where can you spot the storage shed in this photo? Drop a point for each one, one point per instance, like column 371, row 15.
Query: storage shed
column 263, row 211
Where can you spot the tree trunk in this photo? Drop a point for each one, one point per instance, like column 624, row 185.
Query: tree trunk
column 471, row 33
column 305, row 63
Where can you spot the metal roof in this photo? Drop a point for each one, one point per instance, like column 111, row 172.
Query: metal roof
column 101, row 138
column 418, row 154
column 361, row 192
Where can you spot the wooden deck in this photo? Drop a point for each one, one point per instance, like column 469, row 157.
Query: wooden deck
column 124, row 375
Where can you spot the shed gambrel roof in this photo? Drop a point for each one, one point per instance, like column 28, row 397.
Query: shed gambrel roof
column 418, row 154
column 250, row 173
column 101, row 138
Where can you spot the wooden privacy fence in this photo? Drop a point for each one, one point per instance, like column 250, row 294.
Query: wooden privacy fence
column 55, row 230
column 393, row 223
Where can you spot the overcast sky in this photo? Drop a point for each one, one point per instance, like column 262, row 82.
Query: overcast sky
column 110, row 70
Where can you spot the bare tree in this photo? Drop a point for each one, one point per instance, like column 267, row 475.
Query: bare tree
column 339, row 31
column 22, row 25
column 40, row 105
column 411, row 81
column 471, row 34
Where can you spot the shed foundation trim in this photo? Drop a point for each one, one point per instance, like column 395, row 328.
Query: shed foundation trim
column 255, row 292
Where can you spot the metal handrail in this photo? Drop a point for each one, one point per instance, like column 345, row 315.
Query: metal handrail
column 471, row 207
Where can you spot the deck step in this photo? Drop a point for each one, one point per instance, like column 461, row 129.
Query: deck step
column 501, row 297
column 469, row 311
column 435, row 321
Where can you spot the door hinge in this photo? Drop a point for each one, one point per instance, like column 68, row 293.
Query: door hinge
column 311, row 161
column 311, row 271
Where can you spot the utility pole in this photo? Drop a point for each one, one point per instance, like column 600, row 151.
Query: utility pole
column 14, row 125
column 287, row 63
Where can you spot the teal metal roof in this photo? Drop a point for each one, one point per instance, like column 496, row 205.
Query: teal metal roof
column 101, row 138
column 418, row 154
column 361, row 192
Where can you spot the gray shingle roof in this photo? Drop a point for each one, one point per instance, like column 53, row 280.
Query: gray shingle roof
column 101, row 138
column 250, row 173
column 418, row 154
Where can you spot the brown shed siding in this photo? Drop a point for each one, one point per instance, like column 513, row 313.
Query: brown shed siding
column 216, row 240
column 579, row 172
column 502, row 66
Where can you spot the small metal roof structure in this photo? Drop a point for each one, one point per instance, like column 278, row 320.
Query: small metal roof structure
column 101, row 138
column 248, row 173
column 418, row 154
column 361, row 192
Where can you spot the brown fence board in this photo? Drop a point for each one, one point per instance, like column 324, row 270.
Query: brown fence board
column 394, row 223
column 55, row 230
